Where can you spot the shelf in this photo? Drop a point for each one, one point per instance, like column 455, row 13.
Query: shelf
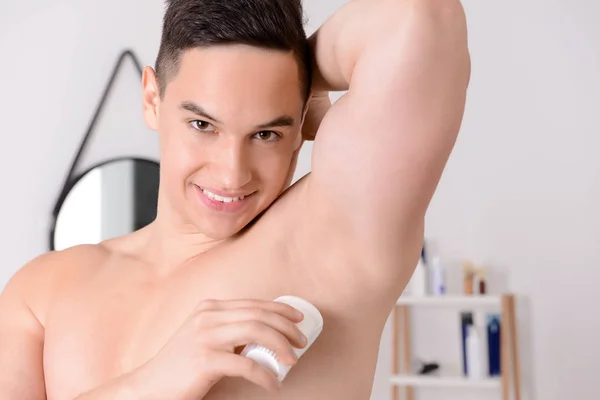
column 445, row 382
column 451, row 300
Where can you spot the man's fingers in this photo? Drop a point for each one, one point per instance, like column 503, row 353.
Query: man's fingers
column 271, row 319
column 280, row 308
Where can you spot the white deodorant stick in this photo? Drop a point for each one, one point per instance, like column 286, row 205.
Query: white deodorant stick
column 310, row 326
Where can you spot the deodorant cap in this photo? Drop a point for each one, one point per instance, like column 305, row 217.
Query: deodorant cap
column 310, row 326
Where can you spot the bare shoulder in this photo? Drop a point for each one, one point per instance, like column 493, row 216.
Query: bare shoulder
column 24, row 305
column 39, row 281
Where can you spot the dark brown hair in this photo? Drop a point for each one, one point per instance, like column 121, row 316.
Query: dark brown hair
column 269, row 24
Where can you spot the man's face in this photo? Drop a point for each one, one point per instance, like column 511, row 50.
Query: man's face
column 229, row 126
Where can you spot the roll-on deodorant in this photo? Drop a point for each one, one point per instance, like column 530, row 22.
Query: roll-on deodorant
column 311, row 326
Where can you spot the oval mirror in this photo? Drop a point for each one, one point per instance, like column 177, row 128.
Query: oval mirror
column 112, row 199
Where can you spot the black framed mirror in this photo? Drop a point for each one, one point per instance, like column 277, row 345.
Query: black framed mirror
column 110, row 199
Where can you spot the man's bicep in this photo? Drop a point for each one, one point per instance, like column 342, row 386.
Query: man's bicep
column 21, row 348
column 383, row 146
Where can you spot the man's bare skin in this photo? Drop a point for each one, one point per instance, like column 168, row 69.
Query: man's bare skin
column 105, row 321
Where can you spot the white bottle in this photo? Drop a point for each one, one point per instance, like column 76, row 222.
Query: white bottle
column 437, row 277
column 474, row 354
column 310, row 326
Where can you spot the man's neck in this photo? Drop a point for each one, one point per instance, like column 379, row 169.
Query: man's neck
column 171, row 244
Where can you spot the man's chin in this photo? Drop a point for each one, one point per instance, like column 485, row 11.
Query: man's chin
column 226, row 227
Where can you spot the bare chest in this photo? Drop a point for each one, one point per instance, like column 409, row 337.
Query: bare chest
column 117, row 322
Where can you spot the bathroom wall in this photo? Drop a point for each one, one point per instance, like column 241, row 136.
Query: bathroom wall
column 521, row 192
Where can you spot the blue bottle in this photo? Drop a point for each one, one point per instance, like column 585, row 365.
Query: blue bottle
column 493, row 339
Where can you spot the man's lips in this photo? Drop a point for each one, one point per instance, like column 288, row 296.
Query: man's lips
column 223, row 202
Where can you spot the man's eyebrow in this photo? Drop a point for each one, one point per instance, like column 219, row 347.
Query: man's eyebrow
column 282, row 121
column 198, row 110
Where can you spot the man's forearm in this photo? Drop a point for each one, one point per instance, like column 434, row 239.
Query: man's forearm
column 362, row 25
column 340, row 41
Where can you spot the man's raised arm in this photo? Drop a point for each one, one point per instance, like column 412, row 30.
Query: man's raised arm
column 381, row 149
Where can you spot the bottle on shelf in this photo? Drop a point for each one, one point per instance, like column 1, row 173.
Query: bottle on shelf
column 437, row 277
column 481, row 282
column 466, row 320
column 468, row 277
column 474, row 353
column 493, row 342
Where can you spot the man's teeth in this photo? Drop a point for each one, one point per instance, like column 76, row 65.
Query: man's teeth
column 221, row 198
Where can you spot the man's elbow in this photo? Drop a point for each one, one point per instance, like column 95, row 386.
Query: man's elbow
column 444, row 24
column 445, row 11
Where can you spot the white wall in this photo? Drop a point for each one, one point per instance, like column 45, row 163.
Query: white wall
column 519, row 194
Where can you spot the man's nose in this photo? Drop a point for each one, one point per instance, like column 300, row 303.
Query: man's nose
column 231, row 168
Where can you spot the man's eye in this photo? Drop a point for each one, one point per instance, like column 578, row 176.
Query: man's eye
column 202, row 126
column 267, row 136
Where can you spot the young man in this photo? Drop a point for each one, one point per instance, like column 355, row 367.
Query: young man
column 162, row 313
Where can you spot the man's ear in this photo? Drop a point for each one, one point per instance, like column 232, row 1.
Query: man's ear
column 151, row 98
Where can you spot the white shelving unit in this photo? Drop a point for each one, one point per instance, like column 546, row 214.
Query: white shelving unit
column 508, row 346
column 458, row 382
column 451, row 301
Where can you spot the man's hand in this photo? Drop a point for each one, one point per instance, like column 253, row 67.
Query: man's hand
column 203, row 350
column 318, row 105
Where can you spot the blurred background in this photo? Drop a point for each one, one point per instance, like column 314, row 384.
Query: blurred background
column 520, row 197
